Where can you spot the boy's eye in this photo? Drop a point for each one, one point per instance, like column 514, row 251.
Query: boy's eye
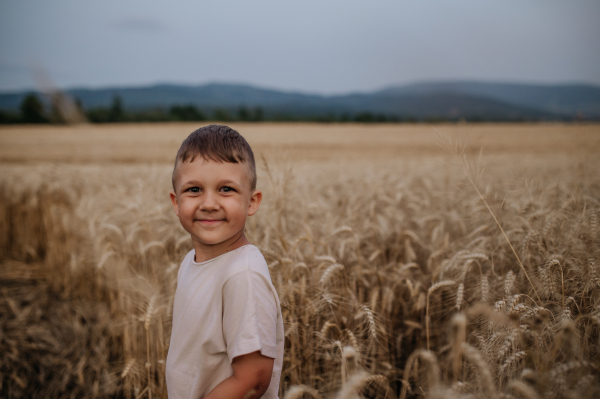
column 193, row 189
column 227, row 189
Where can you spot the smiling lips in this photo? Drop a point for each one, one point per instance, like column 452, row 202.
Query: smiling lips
column 209, row 221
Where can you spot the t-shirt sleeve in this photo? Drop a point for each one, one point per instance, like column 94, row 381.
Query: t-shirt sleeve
column 249, row 315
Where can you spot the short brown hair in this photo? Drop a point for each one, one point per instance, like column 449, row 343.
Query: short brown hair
column 217, row 143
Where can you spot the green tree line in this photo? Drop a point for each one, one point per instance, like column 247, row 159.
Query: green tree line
column 33, row 110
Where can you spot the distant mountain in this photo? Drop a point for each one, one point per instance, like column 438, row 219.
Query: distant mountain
column 561, row 99
column 444, row 100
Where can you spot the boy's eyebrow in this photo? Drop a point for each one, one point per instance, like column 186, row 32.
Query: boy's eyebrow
column 223, row 181
column 229, row 181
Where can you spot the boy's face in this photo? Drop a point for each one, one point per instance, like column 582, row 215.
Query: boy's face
column 213, row 200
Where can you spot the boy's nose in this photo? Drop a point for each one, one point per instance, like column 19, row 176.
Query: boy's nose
column 210, row 202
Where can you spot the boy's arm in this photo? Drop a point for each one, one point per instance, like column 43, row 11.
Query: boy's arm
column 251, row 372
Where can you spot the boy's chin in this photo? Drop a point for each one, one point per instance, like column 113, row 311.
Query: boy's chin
column 215, row 242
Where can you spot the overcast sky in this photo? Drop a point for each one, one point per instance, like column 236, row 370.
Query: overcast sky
column 325, row 46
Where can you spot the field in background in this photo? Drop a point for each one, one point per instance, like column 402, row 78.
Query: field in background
column 157, row 143
column 394, row 278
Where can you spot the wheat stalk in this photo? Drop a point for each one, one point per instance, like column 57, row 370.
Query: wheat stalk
column 524, row 390
column 431, row 290
column 432, row 365
column 417, row 225
column 487, row 381
column 467, row 168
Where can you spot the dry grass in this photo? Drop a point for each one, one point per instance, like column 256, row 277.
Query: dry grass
column 157, row 143
column 394, row 278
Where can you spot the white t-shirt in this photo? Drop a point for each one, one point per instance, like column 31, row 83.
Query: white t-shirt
column 224, row 307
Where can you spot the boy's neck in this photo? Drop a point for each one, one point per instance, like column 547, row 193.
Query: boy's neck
column 207, row 252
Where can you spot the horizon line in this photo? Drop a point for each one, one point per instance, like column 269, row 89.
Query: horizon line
column 300, row 91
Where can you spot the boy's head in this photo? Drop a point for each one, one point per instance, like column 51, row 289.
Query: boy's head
column 214, row 189
column 216, row 143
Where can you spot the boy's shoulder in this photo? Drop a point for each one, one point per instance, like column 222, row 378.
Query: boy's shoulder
column 245, row 258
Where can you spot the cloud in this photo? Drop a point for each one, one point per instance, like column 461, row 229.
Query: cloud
column 139, row 24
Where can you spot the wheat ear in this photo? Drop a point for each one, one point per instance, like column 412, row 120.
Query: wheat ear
column 128, row 368
column 298, row 391
column 329, row 273
column 371, row 323
column 459, row 295
column 485, row 289
column 512, row 360
column 353, row 386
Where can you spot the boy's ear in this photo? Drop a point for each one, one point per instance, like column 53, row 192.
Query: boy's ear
column 174, row 202
column 255, row 200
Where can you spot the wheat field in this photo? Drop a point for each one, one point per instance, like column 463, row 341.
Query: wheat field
column 443, row 261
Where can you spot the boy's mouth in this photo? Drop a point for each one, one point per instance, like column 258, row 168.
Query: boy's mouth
column 210, row 221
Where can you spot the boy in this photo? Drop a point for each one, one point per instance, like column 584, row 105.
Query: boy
column 227, row 337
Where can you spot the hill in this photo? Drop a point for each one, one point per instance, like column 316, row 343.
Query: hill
column 561, row 99
column 443, row 100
